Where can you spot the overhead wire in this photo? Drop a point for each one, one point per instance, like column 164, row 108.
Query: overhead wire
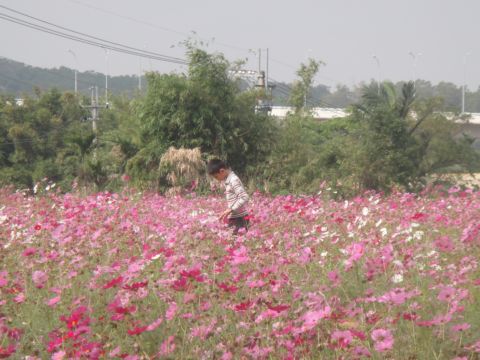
column 87, row 35
column 105, row 45
column 130, row 18
column 155, row 26
column 287, row 89
column 174, row 59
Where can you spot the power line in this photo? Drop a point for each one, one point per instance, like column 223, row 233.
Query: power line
column 320, row 101
column 115, row 47
column 155, row 26
column 89, row 36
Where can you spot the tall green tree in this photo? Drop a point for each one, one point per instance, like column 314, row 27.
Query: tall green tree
column 299, row 96
column 204, row 109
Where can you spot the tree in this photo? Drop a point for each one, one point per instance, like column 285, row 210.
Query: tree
column 205, row 109
column 401, row 140
column 301, row 88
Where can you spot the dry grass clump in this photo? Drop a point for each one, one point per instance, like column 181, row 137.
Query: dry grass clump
column 183, row 167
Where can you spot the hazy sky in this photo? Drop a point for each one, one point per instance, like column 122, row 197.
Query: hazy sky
column 433, row 40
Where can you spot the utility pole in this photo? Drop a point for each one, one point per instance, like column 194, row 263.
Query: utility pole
column 264, row 97
column 76, row 68
column 266, row 77
column 464, row 80
column 140, row 75
column 106, row 76
column 94, row 108
column 377, row 60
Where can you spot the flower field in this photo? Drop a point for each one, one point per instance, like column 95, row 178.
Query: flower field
column 142, row 276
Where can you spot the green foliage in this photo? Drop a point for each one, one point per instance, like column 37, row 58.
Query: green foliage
column 305, row 154
column 388, row 140
column 19, row 79
column 396, row 134
column 46, row 137
column 205, row 109
column 302, row 87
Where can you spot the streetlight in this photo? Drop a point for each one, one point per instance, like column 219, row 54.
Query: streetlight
column 414, row 57
column 464, row 80
column 140, row 74
column 106, row 76
column 76, row 67
column 377, row 60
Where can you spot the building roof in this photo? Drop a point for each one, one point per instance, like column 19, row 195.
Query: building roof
column 332, row 113
column 317, row 113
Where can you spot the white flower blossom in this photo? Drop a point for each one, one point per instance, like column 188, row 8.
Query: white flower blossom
column 383, row 231
column 418, row 235
column 397, row 278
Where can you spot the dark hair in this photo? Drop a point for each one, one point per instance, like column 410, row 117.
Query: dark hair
column 215, row 165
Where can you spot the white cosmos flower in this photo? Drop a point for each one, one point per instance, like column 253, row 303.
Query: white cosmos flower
column 397, row 278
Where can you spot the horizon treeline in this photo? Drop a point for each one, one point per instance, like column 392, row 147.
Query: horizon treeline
column 392, row 137
column 20, row 79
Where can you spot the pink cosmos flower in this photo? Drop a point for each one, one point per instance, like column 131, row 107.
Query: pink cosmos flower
column 267, row 314
column 115, row 352
column 114, row 282
column 361, row 351
column 461, row 327
column 311, row 318
column 20, row 298
column 39, row 278
column 334, row 277
column 383, row 339
column 172, row 309
column 203, row 331
column 53, row 301
column 29, row 251
column 137, row 330
column 59, row 355
column 155, row 324
column 167, row 347
column 7, row 352
column 444, row 244
column 227, row 356
column 342, row 338
column 446, row 294
column 3, row 278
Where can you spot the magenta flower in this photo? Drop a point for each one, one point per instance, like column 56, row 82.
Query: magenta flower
column 311, row 318
column 39, row 278
column 137, row 330
column 461, row 327
column 383, row 339
column 342, row 338
column 3, row 278
column 53, row 301
column 167, row 347
column 171, row 311
column 360, row 351
column 446, row 294
column 59, row 355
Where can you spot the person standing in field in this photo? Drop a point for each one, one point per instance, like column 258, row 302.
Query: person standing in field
column 237, row 198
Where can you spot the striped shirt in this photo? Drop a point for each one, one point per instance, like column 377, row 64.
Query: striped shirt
column 237, row 197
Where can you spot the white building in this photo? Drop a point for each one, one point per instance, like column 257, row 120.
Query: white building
column 317, row 113
column 470, row 126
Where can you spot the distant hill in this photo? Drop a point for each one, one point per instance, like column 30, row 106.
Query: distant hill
column 18, row 78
